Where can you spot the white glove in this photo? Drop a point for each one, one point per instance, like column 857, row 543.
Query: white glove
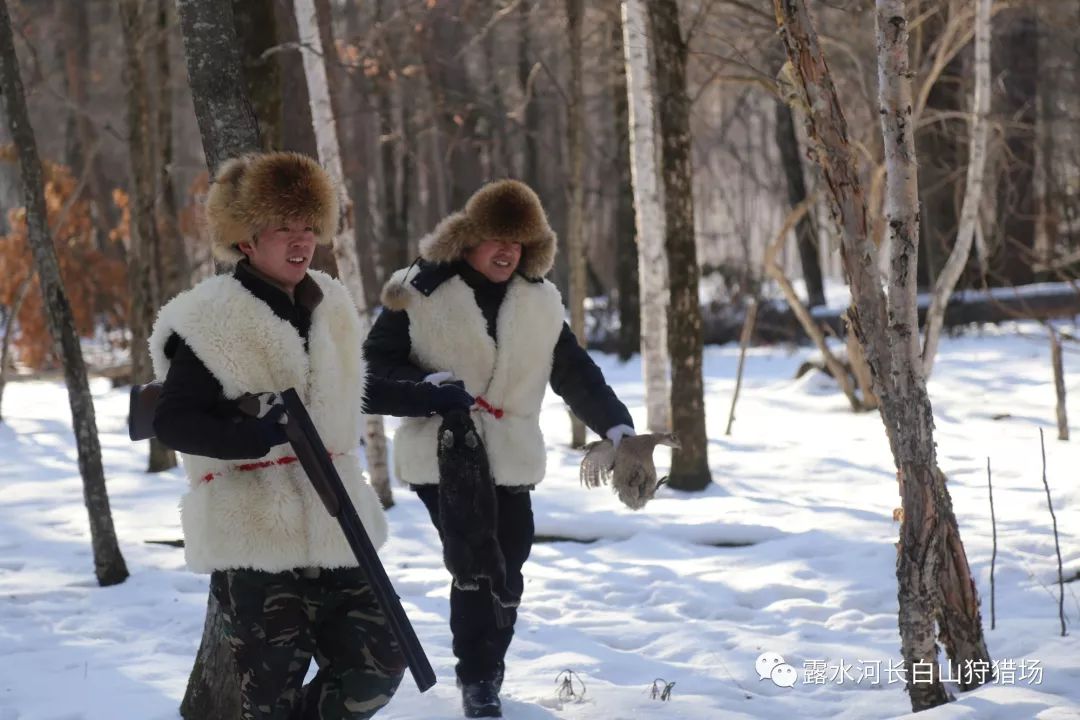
column 438, row 378
column 617, row 433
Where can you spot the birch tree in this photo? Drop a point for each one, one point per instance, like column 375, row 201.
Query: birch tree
column 345, row 249
column 652, row 258
column 935, row 587
column 109, row 565
column 575, row 241
column 690, row 464
column 973, row 189
column 228, row 128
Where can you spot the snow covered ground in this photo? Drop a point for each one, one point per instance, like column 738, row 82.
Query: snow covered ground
column 790, row 553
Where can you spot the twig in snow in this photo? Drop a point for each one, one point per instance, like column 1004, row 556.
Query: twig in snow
column 744, row 342
column 661, row 689
column 565, row 680
column 1057, row 544
column 993, row 557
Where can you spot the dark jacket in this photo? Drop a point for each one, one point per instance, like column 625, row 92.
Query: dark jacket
column 574, row 375
column 193, row 417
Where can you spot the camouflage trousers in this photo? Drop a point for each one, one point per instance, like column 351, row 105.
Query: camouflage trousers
column 277, row 622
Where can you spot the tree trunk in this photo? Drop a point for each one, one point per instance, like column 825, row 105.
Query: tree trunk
column 213, row 689
column 228, row 129
column 277, row 82
column 144, row 254
column 500, row 155
column 806, row 231
column 227, row 121
column 935, row 584
column 109, row 565
column 530, row 164
column 652, row 255
column 353, row 154
column 969, row 214
column 938, row 143
column 575, row 236
column 1017, row 59
column 256, row 29
column 690, row 465
column 626, row 252
column 395, row 250
column 919, row 550
column 176, row 267
column 297, row 134
column 442, row 46
column 345, row 250
column 85, row 143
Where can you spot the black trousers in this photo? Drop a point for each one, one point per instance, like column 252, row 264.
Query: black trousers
column 480, row 645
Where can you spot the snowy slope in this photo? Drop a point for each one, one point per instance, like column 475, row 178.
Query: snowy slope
column 790, row 552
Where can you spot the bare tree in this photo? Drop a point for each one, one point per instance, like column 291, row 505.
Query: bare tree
column 257, row 33
column 144, row 254
column 806, row 230
column 109, row 565
column 441, row 42
column 530, row 122
column 175, row 269
column 345, row 250
column 935, row 583
column 229, row 129
column 83, row 143
column 690, row 465
column 575, row 240
column 1017, row 58
column 969, row 213
column 652, row 256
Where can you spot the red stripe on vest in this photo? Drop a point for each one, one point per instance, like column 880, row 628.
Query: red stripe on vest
column 489, row 408
column 262, row 465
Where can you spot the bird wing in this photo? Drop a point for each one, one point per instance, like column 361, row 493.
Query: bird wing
column 597, row 464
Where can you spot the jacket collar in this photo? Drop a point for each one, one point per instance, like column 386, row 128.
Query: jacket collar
column 307, row 294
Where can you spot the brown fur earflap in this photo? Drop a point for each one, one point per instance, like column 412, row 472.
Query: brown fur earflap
column 502, row 210
column 394, row 295
column 255, row 191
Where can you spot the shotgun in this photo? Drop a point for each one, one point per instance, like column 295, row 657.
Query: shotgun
column 322, row 474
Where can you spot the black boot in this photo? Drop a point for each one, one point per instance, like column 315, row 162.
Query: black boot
column 480, row 700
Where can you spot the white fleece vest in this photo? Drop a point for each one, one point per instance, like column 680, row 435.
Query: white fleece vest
column 448, row 332
column 271, row 518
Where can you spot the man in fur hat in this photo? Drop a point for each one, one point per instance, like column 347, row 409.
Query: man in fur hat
column 477, row 310
column 280, row 566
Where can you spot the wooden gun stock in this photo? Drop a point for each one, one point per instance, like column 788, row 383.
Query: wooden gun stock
column 143, row 401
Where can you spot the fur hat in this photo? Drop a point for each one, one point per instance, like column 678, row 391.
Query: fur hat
column 257, row 190
column 504, row 210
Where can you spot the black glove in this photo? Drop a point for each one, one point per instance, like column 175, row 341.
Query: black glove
column 447, row 398
column 270, row 419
